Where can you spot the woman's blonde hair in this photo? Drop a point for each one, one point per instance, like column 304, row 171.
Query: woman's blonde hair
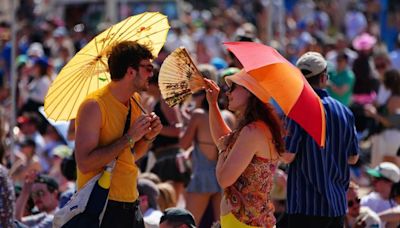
column 167, row 196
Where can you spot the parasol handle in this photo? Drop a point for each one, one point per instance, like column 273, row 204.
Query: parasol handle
column 140, row 106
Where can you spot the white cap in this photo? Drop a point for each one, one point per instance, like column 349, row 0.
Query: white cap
column 386, row 170
column 311, row 64
column 36, row 49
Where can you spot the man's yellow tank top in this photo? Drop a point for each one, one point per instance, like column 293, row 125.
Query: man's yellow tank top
column 124, row 176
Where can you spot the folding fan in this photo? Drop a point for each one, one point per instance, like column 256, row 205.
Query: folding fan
column 179, row 77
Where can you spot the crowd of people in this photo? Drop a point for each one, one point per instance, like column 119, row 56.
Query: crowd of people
column 227, row 156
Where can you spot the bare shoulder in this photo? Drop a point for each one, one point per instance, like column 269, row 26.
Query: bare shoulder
column 255, row 131
column 199, row 111
column 89, row 105
column 199, row 114
column 89, row 111
column 258, row 136
column 258, row 127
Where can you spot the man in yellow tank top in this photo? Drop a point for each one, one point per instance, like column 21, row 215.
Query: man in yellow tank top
column 99, row 132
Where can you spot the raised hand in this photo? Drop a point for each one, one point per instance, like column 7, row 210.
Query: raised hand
column 155, row 127
column 140, row 127
column 212, row 91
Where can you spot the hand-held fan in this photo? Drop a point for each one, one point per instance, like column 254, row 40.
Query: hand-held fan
column 179, row 77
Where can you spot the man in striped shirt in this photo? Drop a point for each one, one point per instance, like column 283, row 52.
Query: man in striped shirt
column 318, row 178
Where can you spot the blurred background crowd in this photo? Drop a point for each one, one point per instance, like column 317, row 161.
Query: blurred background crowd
column 359, row 39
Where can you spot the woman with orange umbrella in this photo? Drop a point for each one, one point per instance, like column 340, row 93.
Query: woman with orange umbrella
column 248, row 155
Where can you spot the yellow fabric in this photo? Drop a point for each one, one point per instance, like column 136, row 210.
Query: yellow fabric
column 88, row 71
column 123, row 182
column 230, row 221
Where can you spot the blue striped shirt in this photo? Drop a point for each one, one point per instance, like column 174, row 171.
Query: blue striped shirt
column 318, row 178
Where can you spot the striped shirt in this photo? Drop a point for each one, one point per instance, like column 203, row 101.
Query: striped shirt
column 318, row 178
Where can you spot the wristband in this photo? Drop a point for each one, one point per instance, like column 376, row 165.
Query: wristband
column 130, row 141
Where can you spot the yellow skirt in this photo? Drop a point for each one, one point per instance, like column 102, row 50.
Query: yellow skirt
column 230, row 221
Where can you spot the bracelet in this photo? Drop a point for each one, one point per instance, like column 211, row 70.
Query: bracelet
column 130, row 141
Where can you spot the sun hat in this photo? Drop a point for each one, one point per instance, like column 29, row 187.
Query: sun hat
column 243, row 79
column 311, row 64
column 364, row 41
column 175, row 214
column 386, row 170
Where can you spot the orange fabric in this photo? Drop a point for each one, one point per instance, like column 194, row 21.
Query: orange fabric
column 123, row 182
column 293, row 103
column 271, row 79
column 285, row 83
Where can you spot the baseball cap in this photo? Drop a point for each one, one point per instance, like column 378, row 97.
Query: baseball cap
column 48, row 180
column 311, row 64
column 36, row 49
column 229, row 71
column 386, row 170
column 42, row 62
column 175, row 214
column 62, row 151
column 60, row 32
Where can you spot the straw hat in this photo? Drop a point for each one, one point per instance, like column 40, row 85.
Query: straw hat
column 250, row 83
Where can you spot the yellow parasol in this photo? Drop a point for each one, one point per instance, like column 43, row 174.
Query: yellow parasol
column 87, row 71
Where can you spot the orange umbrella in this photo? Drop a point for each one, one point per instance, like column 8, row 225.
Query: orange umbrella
column 285, row 83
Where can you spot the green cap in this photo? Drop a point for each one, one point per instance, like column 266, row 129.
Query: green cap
column 175, row 214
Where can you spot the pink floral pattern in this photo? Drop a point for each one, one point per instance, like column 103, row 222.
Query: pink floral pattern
column 249, row 196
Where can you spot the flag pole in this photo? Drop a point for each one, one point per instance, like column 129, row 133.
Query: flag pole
column 13, row 77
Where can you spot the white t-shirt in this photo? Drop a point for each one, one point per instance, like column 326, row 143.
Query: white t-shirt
column 38, row 88
column 152, row 218
column 375, row 202
column 366, row 216
column 383, row 95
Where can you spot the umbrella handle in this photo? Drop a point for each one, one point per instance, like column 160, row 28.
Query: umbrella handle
column 140, row 106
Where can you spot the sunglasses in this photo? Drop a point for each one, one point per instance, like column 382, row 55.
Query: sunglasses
column 233, row 87
column 38, row 194
column 199, row 93
column 148, row 67
column 351, row 203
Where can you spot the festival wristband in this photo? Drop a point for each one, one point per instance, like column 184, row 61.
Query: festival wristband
column 130, row 141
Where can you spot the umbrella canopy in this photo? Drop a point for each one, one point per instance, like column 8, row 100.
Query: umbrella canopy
column 285, row 83
column 87, row 71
